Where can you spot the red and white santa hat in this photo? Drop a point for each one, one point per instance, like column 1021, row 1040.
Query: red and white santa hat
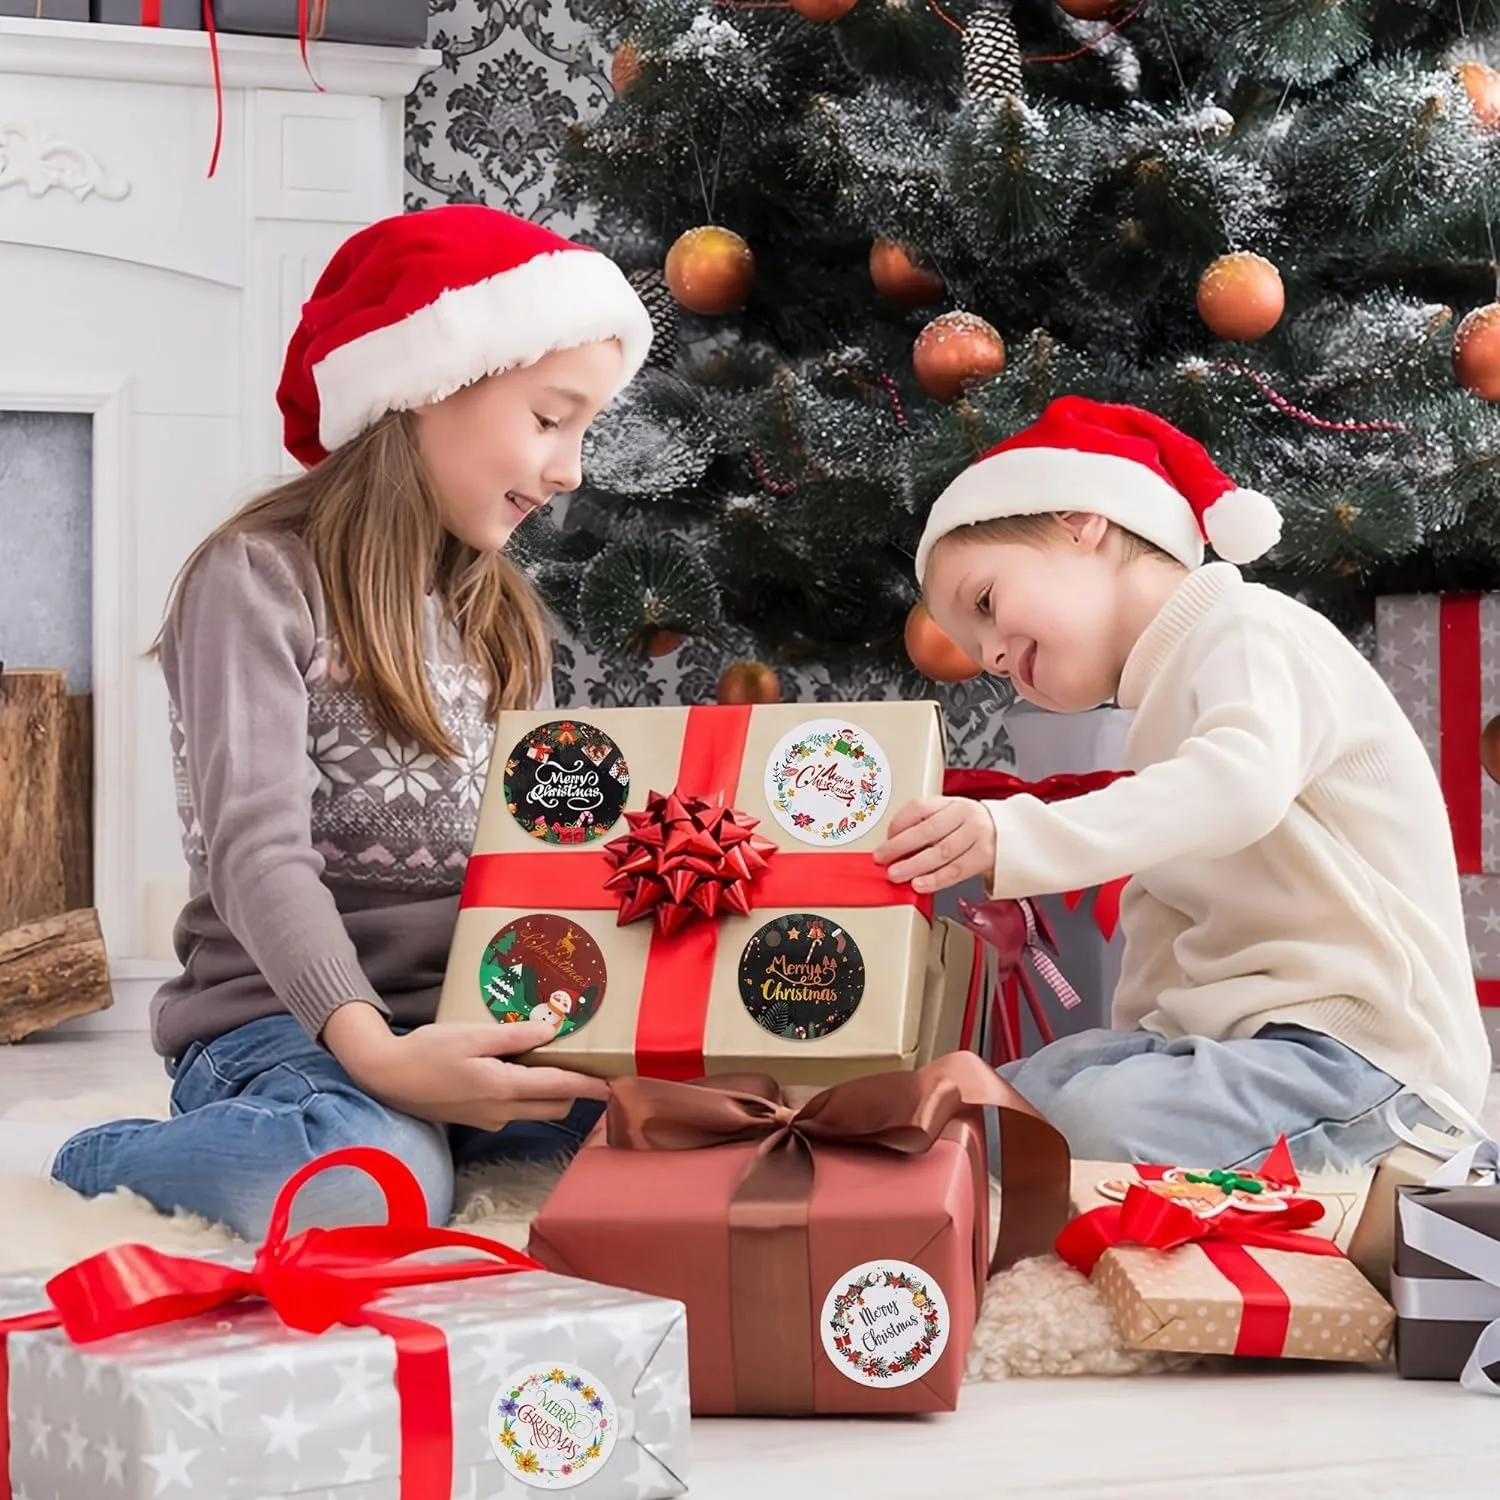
column 1118, row 462
column 416, row 307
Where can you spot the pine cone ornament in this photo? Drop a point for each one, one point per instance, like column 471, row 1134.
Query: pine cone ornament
column 992, row 56
column 651, row 287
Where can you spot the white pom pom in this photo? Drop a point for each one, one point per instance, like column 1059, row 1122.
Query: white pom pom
column 1242, row 525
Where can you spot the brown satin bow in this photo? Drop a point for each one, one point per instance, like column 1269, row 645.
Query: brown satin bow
column 902, row 1112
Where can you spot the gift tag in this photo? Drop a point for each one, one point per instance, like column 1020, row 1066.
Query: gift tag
column 885, row 1323
column 1205, row 1193
column 566, row 782
column 827, row 782
column 801, row 977
column 553, row 1426
column 543, row 965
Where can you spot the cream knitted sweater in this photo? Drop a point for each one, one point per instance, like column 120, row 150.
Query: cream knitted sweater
column 1286, row 832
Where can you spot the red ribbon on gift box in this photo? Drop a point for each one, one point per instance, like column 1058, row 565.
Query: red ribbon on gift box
column 312, row 1281
column 1156, row 1222
column 673, row 1011
column 1460, row 662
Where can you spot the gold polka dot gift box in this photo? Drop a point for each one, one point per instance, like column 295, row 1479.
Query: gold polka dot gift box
column 1223, row 1262
column 686, row 891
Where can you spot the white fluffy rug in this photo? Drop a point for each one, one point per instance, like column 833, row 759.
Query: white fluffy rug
column 1040, row 1318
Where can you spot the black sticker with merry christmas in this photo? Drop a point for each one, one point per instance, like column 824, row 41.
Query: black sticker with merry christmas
column 566, row 782
column 801, row 977
column 543, row 966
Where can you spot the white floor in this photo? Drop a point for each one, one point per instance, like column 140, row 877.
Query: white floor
column 1251, row 1434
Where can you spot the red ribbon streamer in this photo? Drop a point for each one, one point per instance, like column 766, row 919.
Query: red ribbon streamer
column 1460, row 662
column 1160, row 1223
column 312, row 1281
column 151, row 16
column 679, row 969
column 996, row 786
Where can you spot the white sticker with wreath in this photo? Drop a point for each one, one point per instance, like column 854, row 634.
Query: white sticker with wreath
column 553, row 1426
column 885, row 1323
column 827, row 782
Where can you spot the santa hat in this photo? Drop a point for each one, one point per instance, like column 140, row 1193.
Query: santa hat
column 416, row 307
column 1118, row 462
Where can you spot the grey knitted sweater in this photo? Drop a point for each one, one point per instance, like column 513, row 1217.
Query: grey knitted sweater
column 326, row 856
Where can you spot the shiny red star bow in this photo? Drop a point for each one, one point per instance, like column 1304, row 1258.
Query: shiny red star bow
column 685, row 858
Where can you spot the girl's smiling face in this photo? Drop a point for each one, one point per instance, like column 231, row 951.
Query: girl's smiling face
column 501, row 448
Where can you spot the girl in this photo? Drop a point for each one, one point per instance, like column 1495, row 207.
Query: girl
column 336, row 654
column 1295, row 956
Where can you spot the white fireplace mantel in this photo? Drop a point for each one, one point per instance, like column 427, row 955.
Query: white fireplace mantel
column 135, row 287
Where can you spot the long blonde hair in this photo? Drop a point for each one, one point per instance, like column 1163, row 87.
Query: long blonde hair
column 368, row 516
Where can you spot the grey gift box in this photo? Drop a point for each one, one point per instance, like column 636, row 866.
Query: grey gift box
column 174, row 15
column 236, row 1406
column 46, row 10
column 381, row 23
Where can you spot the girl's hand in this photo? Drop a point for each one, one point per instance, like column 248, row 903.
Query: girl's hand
column 455, row 1075
column 936, row 842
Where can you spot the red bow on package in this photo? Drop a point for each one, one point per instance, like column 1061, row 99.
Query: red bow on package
column 1156, row 1221
column 685, row 858
column 312, row 1281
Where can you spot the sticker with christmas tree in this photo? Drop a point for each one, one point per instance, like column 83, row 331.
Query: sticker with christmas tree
column 566, row 782
column 885, row 1324
column 801, row 977
column 827, row 782
column 543, row 965
column 553, row 1426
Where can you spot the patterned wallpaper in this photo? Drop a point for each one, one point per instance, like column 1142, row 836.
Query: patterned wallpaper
column 485, row 127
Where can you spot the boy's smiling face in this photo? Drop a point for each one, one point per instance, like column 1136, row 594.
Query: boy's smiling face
column 1045, row 613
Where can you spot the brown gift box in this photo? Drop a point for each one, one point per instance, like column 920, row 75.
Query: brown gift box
column 773, row 1235
column 1221, row 1295
column 671, row 1005
column 1446, row 1297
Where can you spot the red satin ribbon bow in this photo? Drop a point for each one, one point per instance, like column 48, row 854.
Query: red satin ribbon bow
column 1159, row 1223
column 997, row 786
column 685, row 858
column 312, row 1281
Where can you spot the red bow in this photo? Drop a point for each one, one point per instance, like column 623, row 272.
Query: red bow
column 685, row 858
column 312, row 1281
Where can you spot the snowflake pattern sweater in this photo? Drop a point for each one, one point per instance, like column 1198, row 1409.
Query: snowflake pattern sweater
column 325, row 856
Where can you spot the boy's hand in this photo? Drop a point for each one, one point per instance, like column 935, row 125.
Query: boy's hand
column 936, row 842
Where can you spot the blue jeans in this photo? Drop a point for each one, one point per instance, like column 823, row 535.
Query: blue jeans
column 253, row 1106
column 1133, row 1096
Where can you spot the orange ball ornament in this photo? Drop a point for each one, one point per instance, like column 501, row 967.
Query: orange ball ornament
column 823, row 10
column 710, row 270
column 1240, row 297
column 1089, row 10
column 897, row 276
column 1489, row 749
column 933, row 652
column 663, row 642
column 749, row 682
column 955, row 351
column 1482, row 85
column 625, row 67
column 1476, row 352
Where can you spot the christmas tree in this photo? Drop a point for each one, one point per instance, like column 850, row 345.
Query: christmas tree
column 877, row 236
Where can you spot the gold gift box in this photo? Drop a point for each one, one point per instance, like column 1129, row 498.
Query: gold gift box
column 916, row 974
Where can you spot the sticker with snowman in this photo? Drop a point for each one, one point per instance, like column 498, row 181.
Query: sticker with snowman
column 543, row 966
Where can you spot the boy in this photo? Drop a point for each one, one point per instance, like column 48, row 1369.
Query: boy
column 1295, row 957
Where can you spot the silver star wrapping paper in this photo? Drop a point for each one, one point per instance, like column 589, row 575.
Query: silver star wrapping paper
column 236, row 1406
column 1408, row 643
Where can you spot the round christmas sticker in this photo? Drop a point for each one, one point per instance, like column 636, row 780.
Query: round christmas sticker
column 553, row 1427
column 801, row 977
column 885, row 1323
column 540, row 965
column 566, row 782
column 827, row 782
